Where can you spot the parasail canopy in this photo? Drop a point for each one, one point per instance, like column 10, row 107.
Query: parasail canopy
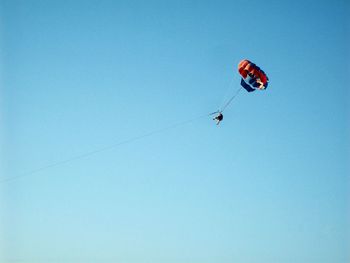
column 253, row 77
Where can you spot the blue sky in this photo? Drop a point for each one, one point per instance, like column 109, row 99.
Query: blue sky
column 270, row 184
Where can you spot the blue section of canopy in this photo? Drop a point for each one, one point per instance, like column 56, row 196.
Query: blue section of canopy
column 246, row 86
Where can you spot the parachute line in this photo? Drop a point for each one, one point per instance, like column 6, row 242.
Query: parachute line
column 227, row 91
column 231, row 99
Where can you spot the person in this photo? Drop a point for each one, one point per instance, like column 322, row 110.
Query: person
column 219, row 118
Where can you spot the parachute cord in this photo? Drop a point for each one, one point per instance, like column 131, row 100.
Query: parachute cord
column 102, row 149
column 227, row 91
column 230, row 100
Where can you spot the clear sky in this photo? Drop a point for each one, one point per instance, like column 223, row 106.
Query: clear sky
column 270, row 184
